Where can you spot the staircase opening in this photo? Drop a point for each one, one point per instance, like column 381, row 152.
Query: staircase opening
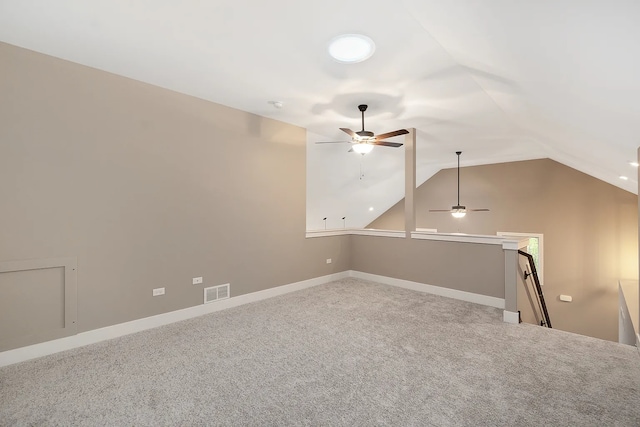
column 533, row 290
column 531, row 305
column 532, row 243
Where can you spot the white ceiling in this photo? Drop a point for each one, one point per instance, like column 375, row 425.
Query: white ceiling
column 498, row 79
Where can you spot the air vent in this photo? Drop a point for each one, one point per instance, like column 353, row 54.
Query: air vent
column 223, row 291
column 215, row 293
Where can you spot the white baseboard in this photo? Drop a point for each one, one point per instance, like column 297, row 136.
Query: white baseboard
column 90, row 337
column 511, row 317
column 430, row 289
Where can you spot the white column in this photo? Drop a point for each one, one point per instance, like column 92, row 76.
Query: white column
column 409, row 182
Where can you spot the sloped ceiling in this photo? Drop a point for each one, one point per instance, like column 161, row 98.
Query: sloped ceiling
column 498, row 80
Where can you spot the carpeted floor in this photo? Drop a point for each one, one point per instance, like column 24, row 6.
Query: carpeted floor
column 350, row 353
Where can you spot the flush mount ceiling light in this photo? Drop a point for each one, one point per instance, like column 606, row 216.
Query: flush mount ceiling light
column 634, row 164
column 624, row 178
column 351, row 48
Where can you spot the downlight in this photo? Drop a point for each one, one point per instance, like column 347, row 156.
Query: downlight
column 351, row 48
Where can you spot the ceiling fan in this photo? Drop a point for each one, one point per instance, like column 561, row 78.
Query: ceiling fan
column 458, row 211
column 364, row 140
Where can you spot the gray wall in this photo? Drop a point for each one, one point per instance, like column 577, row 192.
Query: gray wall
column 590, row 230
column 147, row 188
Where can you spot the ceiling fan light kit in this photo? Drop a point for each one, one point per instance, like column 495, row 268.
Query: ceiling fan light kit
column 362, row 148
column 458, row 211
column 364, row 140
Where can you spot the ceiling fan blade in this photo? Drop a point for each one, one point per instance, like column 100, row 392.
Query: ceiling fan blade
column 390, row 134
column 478, row 210
column 387, row 144
column 349, row 132
column 333, row 142
column 439, row 210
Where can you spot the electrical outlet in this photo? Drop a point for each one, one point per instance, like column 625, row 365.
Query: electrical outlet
column 328, row 260
column 158, row 291
column 197, row 280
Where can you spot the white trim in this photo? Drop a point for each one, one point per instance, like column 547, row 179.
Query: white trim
column 540, row 237
column 97, row 335
column 510, row 245
column 430, row 289
column 420, row 233
column 326, row 233
column 355, row 232
column 464, row 238
column 90, row 337
column 511, row 317
column 379, row 233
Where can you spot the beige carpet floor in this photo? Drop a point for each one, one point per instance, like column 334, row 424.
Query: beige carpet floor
column 350, row 353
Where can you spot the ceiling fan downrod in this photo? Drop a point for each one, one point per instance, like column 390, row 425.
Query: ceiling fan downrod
column 458, row 153
column 362, row 108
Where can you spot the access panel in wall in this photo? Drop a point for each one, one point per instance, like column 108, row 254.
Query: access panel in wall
column 37, row 301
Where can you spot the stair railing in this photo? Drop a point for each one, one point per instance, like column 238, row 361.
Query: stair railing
column 538, row 289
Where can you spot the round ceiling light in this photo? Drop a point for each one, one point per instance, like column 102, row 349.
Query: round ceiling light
column 351, row 48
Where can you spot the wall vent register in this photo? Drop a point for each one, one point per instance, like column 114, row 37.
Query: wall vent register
column 215, row 293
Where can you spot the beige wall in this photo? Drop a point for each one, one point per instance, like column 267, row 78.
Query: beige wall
column 148, row 188
column 433, row 262
column 590, row 230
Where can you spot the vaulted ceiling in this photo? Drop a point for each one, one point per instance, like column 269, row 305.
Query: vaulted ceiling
column 499, row 80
